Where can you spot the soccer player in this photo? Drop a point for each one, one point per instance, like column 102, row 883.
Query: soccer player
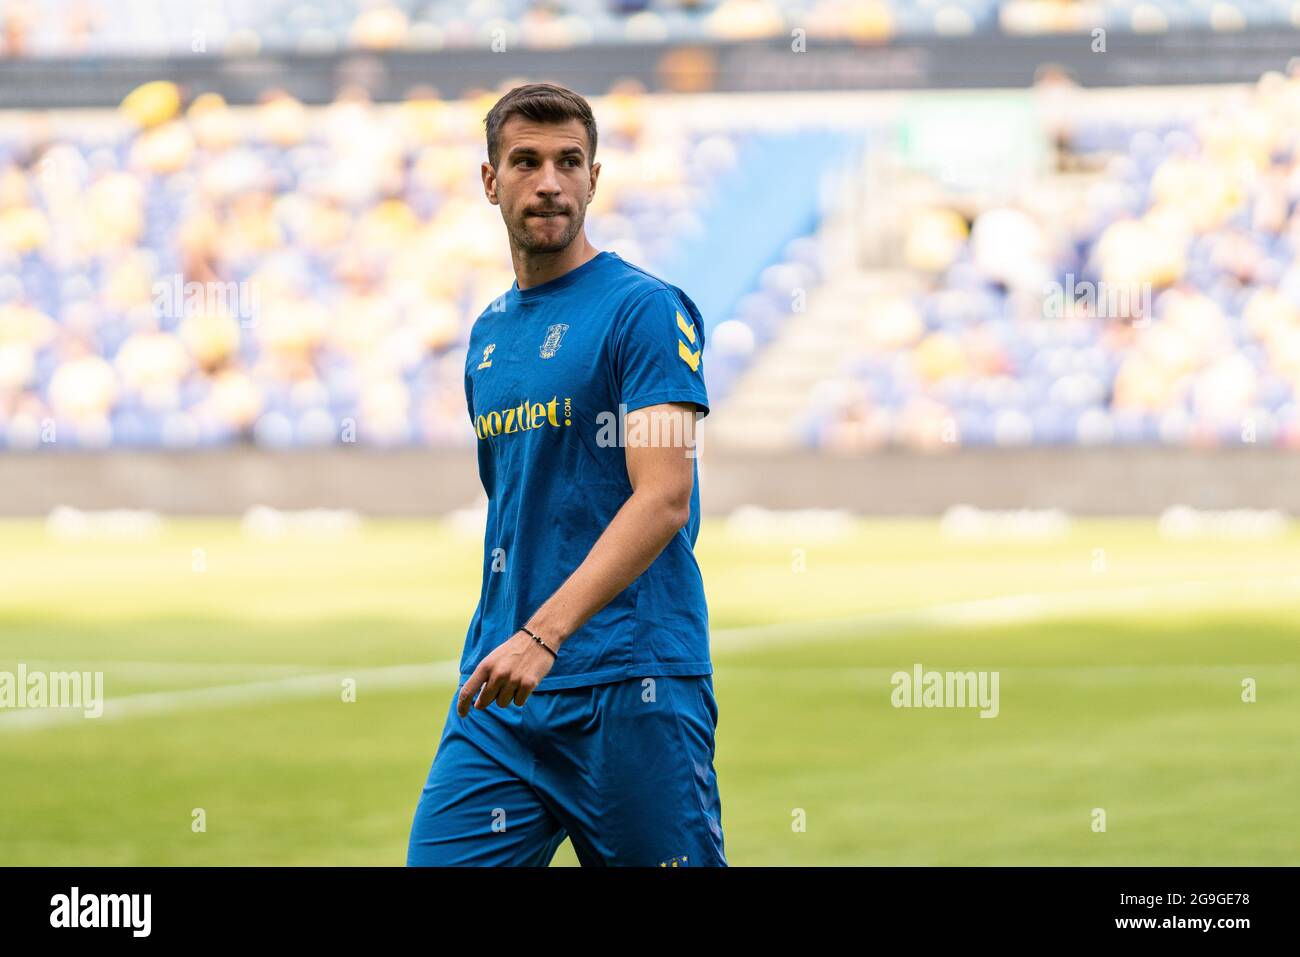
column 583, row 384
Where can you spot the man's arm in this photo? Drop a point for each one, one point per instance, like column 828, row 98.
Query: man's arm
column 661, row 469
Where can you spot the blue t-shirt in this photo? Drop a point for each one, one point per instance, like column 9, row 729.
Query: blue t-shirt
column 545, row 374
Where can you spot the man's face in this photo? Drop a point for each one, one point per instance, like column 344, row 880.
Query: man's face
column 542, row 183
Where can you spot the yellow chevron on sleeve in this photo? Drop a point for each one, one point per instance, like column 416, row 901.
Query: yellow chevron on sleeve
column 692, row 359
column 688, row 328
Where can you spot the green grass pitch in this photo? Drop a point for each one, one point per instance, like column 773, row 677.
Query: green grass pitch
column 1121, row 668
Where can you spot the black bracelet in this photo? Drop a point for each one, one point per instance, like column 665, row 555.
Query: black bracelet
column 525, row 630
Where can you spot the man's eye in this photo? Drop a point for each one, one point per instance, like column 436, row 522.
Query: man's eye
column 571, row 161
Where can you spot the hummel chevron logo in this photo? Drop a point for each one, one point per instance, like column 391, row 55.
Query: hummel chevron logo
column 692, row 359
column 687, row 327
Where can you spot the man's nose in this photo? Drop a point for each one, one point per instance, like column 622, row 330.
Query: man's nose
column 548, row 183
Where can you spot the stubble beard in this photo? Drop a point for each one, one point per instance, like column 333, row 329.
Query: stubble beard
column 525, row 241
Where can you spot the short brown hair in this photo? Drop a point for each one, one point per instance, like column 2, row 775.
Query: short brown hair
column 541, row 103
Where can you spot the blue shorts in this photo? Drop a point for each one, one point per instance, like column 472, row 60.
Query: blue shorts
column 624, row 769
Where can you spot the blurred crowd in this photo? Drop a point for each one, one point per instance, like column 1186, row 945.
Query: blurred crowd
column 154, row 27
column 188, row 275
column 1162, row 308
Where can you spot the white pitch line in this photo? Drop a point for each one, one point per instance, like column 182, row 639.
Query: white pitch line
column 157, row 703
column 1005, row 610
column 163, row 670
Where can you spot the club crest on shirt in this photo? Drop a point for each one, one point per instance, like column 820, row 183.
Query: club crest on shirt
column 552, row 340
column 674, row 862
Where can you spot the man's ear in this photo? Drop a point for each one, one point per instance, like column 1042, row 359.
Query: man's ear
column 595, row 175
column 489, row 183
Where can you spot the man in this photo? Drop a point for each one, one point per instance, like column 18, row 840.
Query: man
column 583, row 383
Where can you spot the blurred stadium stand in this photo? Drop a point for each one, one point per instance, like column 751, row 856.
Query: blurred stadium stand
column 357, row 250
column 353, row 249
column 893, row 272
column 78, row 27
column 81, row 53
